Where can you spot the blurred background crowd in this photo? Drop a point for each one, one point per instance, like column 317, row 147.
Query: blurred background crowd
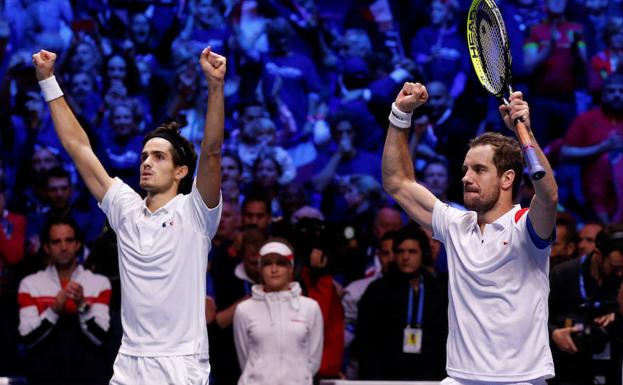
column 308, row 90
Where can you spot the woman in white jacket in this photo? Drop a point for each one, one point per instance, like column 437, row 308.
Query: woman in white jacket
column 278, row 332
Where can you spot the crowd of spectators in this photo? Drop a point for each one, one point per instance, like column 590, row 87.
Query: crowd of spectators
column 308, row 90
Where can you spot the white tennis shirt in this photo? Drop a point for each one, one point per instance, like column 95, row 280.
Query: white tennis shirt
column 499, row 287
column 163, row 257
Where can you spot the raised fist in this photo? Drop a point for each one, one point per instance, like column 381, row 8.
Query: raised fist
column 44, row 64
column 213, row 65
column 411, row 97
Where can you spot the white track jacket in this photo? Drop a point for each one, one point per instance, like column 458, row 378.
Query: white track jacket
column 278, row 337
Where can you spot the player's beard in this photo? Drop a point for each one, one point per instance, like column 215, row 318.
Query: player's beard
column 484, row 204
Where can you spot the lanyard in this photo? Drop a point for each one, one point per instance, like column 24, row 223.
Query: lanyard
column 420, row 306
column 581, row 280
column 247, row 287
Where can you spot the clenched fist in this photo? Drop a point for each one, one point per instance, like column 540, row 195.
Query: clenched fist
column 213, row 65
column 411, row 97
column 44, row 64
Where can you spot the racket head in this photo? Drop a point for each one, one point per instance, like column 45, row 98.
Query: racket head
column 488, row 46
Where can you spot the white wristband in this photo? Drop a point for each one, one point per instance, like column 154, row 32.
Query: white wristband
column 50, row 89
column 400, row 119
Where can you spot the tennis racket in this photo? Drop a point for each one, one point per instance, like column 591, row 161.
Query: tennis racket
column 489, row 50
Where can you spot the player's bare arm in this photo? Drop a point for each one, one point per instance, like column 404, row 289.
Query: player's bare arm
column 398, row 173
column 544, row 203
column 72, row 136
column 209, row 169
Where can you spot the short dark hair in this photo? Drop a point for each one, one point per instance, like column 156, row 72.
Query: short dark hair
column 415, row 233
column 183, row 152
column 567, row 221
column 57, row 172
column 610, row 239
column 56, row 220
column 507, row 155
column 258, row 198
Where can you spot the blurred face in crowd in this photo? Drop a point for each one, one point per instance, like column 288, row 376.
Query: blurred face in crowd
column 481, row 184
column 386, row 253
column 612, row 97
column 59, row 192
column 408, row 255
column 562, row 246
column 587, row 236
column 117, row 69
column 436, row 179
column 122, row 121
column 251, row 114
column 43, row 160
column 266, row 172
column 356, row 43
column 81, row 85
column 84, row 56
column 140, row 28
column 157, row 170
column 387, row 219
column 353, row 197
column 63, row 245
column 229, row 169
column 612, row 266
column 276, row 272
column 437, row 99
column 230, row 221
column 439, row 13
column 207, row 13
column 556, row 7
column 255, row 213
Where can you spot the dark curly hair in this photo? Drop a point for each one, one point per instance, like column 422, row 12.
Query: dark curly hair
column 182, row 151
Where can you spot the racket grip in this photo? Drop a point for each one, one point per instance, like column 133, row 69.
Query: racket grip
column 535, row 170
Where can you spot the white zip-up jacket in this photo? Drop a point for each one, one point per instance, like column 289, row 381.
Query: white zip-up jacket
column 278, row 337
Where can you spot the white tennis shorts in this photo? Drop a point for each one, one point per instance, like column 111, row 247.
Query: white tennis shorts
column 458, row 381
column 165, row 370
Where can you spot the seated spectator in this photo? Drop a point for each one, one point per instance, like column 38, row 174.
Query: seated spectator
column 596, row 139
column 64, row 315
column 402, row 323
column 278, row 332
column 582, row 306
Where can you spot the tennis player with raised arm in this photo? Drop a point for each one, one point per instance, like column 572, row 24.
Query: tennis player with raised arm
column 498, row 253
column 162, row 240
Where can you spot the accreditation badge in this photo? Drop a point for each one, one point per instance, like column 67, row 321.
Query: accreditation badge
column 412, row 341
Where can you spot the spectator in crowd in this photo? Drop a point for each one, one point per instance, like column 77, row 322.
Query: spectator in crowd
column 231, row 177
column 85, row 100
column 564, row 247
column 59, row 194
column 257, row 212
column 582, row 310
column 440, row 49
column 596, row 139
column 12, row 252
column 231, row 287
column 387, row 219
column 270, row 349
column 64, row 315
column 609, row 60
column 587, row 236
column 352, row 295
column 436, row 178
column 554, row 54
column 401, row 328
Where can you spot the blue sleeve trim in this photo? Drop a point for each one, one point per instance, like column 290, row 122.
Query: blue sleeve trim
column 536, row 239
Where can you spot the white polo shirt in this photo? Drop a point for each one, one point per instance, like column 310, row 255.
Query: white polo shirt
column 163, row 257
column 499, row 287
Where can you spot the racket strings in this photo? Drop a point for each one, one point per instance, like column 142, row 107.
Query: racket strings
column 492, row 44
